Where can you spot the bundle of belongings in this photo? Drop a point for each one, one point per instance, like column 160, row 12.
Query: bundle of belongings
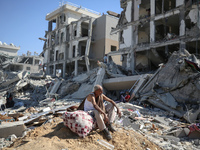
column 79, row 122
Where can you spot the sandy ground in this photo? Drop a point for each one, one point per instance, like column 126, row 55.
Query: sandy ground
column 55, row 136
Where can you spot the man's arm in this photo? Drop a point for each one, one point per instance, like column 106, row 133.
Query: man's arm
column 92, row 100
column 111, row 101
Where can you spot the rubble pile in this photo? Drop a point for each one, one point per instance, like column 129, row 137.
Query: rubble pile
column 160, row 127
column 164, row 106
column 5, row 60
column 175, row 87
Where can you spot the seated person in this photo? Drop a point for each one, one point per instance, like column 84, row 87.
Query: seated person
column 126, row 98
column 104, row 115
column 9, row 101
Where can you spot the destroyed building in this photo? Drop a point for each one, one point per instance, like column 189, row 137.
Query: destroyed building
column 10, row 49
column 150, row 30
column 164, row 105
column 29, row 63
column 11, row 61
column 76, row 38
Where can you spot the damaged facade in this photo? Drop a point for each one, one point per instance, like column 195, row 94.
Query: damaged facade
column 10, row 61
column 76, row 38
column 151, row 30
column 10, row 49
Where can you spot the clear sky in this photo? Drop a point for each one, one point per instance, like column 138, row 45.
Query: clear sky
column 22, row 22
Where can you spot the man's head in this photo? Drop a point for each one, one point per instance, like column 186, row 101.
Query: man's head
column 98, row 90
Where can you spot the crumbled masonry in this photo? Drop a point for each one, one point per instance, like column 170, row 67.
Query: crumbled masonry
column 160, row 109
column 150, row 50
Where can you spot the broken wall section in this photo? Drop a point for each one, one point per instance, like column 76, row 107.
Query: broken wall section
column 176, row 85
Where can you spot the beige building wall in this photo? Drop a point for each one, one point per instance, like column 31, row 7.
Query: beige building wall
column 70, row 21
column 103, row 39
column 116, row 59
column 97, row 51
column 110, row 43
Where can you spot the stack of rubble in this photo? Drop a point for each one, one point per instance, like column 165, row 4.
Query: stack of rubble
column 175, row 87
column 159, row 126
column 165, row 105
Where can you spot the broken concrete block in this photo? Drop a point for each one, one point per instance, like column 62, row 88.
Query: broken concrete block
column 12, row 137
column 135, row 126
column 83, row 91
column 187, row 131
column 127, row 122
column 20, row 85
column 191, row 116
column 161, row 120
column 15, row 115
column 100, row 77
column 160, row 105
column 55, row 86
column 80, row 78
column 167, row 99
column 10, row 128
column 170, row 138
column 22, row 118
column 46, row 109
column 133, row 107
column 142, row 80
column 178, row 133
column 16, row 78
column 196, row 142
column 120, row 83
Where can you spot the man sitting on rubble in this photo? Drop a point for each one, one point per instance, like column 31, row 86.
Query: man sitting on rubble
column 104, row 115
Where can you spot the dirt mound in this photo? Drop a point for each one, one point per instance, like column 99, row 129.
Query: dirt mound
column 55, row 136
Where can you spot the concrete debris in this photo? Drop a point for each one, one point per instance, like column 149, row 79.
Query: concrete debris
column 170, row 90
column 9, row 128
column 167, row 133
column 160, row 107
column 54, row 88
column 29, row 63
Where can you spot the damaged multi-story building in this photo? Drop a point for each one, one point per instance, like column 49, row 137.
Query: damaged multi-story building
column 10, row 61
column 76, row 38
column 150, row 30
column 9, row 50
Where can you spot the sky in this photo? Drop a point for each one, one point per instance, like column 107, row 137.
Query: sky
column 22, row 22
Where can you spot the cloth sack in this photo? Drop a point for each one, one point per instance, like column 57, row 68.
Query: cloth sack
column 79, row 122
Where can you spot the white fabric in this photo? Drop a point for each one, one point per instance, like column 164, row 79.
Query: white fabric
column 88, row 106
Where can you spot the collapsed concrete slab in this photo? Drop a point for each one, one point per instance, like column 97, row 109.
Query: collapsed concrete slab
column 10, row 81
column 54, row 88
column 120, row 83
column 82, row 92
column 138, row 85
column 9, row 128
column 100, row 76
column 175, row 86
column 191, row 116
column 39, row 75
column 168, row 99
